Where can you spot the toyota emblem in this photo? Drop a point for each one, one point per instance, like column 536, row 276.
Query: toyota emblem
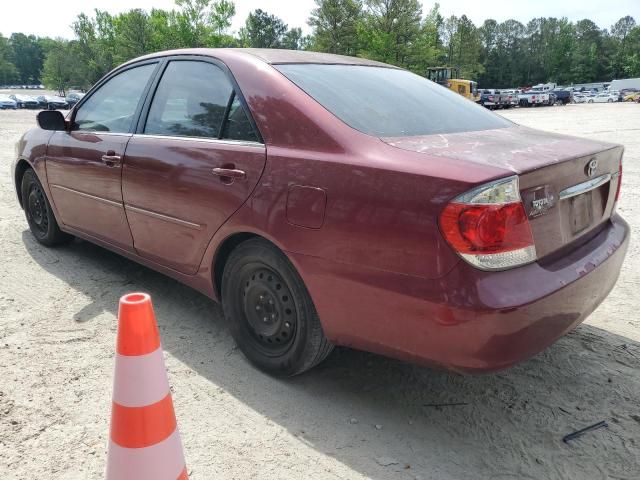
column 592, row 167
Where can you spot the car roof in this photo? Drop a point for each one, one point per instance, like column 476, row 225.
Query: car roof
column 272, row 56
column 280, row 56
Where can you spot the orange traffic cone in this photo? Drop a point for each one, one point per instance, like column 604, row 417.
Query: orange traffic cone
column 145, row 443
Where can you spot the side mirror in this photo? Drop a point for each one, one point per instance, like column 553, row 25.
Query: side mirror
column 51, row 120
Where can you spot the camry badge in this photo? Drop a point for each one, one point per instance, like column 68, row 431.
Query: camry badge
column 539, row 200
column 592, row 167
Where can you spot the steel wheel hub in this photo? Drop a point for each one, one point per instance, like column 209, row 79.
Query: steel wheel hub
column 269, row 309
column 37, row 209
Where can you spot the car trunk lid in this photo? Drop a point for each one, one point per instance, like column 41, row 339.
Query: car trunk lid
column 567, row 184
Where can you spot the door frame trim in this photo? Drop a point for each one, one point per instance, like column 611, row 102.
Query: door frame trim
column 219, row 141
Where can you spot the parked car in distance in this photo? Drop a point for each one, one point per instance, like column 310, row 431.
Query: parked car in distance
column 534, row 98
column 511, row 97
column 631, row 97
column 74, row 97
column 604, row 97
column 580, row 98
column 493, row 99
column 562, row 96
column 52, row 102
column 25, row 101
column 389, row 215
column 7, row 103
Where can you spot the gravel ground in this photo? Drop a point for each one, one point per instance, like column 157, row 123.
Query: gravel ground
column 356, row 416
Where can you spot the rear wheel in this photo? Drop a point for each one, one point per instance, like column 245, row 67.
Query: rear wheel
column 269, row 311
column 38, row 211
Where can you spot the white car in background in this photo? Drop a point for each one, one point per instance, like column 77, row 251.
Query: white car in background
column 604, row 97
column 7, row 103
column 579, row 98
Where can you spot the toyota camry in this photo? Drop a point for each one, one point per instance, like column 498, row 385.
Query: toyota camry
column 327, row 200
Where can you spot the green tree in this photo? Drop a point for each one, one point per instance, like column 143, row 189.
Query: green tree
column 620, row 35
column 432, row 26
column 427, row 46
column 165, row 31
column 390, row 31
column 132, row 34
column 335, row 26
column 8, row 71
column 27, row 57
column 293, row 39
column 463, row 45
column 587, row 64
column 203, row 23
column 60, row 65
column 263, row 30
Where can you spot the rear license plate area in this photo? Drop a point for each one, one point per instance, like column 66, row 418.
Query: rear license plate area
column 581, row 212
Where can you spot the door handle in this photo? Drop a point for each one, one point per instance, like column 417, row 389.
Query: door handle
column 229, row 175
column 110, row 159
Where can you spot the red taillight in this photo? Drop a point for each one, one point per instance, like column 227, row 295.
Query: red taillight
column 488, row 226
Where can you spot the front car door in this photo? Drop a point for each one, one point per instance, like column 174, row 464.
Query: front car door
column 195, row 159
column 84, row 165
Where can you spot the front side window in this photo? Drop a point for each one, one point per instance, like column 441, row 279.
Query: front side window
column 112, row 107
column 389, row 102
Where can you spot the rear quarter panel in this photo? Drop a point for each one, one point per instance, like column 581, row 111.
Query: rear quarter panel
column 382, row 203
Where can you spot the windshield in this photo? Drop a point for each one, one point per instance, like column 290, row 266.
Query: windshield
column 386, row 102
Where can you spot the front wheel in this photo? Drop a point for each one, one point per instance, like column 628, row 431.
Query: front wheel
column 38, row 211
column 269, row 311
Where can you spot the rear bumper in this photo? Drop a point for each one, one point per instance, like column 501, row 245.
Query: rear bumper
column 468, row 320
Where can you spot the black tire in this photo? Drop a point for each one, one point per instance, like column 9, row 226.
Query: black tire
column 37, row 208
column 269, row 311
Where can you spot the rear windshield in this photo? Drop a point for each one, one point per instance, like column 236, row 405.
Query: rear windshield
column 386, row 102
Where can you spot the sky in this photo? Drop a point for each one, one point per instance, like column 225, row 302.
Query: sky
column 53, row 18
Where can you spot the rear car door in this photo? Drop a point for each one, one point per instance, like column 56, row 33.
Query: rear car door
column 84, row 165
column 194, row 160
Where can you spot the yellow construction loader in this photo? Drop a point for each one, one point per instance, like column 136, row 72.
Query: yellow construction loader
column 449, row 77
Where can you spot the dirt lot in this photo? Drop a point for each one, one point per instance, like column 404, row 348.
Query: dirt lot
column 356, row 416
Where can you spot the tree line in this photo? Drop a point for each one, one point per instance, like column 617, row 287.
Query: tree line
column 399, row 32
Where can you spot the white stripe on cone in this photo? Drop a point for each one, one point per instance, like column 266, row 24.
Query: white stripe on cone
column 141, row 380
column 162, row 461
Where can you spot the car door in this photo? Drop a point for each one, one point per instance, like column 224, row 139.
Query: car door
column 194, row 160
column 84, row 164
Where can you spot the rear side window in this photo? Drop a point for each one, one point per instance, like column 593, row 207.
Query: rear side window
column 111, row 108
column 196, row 99
column 387, row 102
column 238, row 126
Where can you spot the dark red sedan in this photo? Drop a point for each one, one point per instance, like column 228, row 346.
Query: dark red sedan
column 328, row 200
